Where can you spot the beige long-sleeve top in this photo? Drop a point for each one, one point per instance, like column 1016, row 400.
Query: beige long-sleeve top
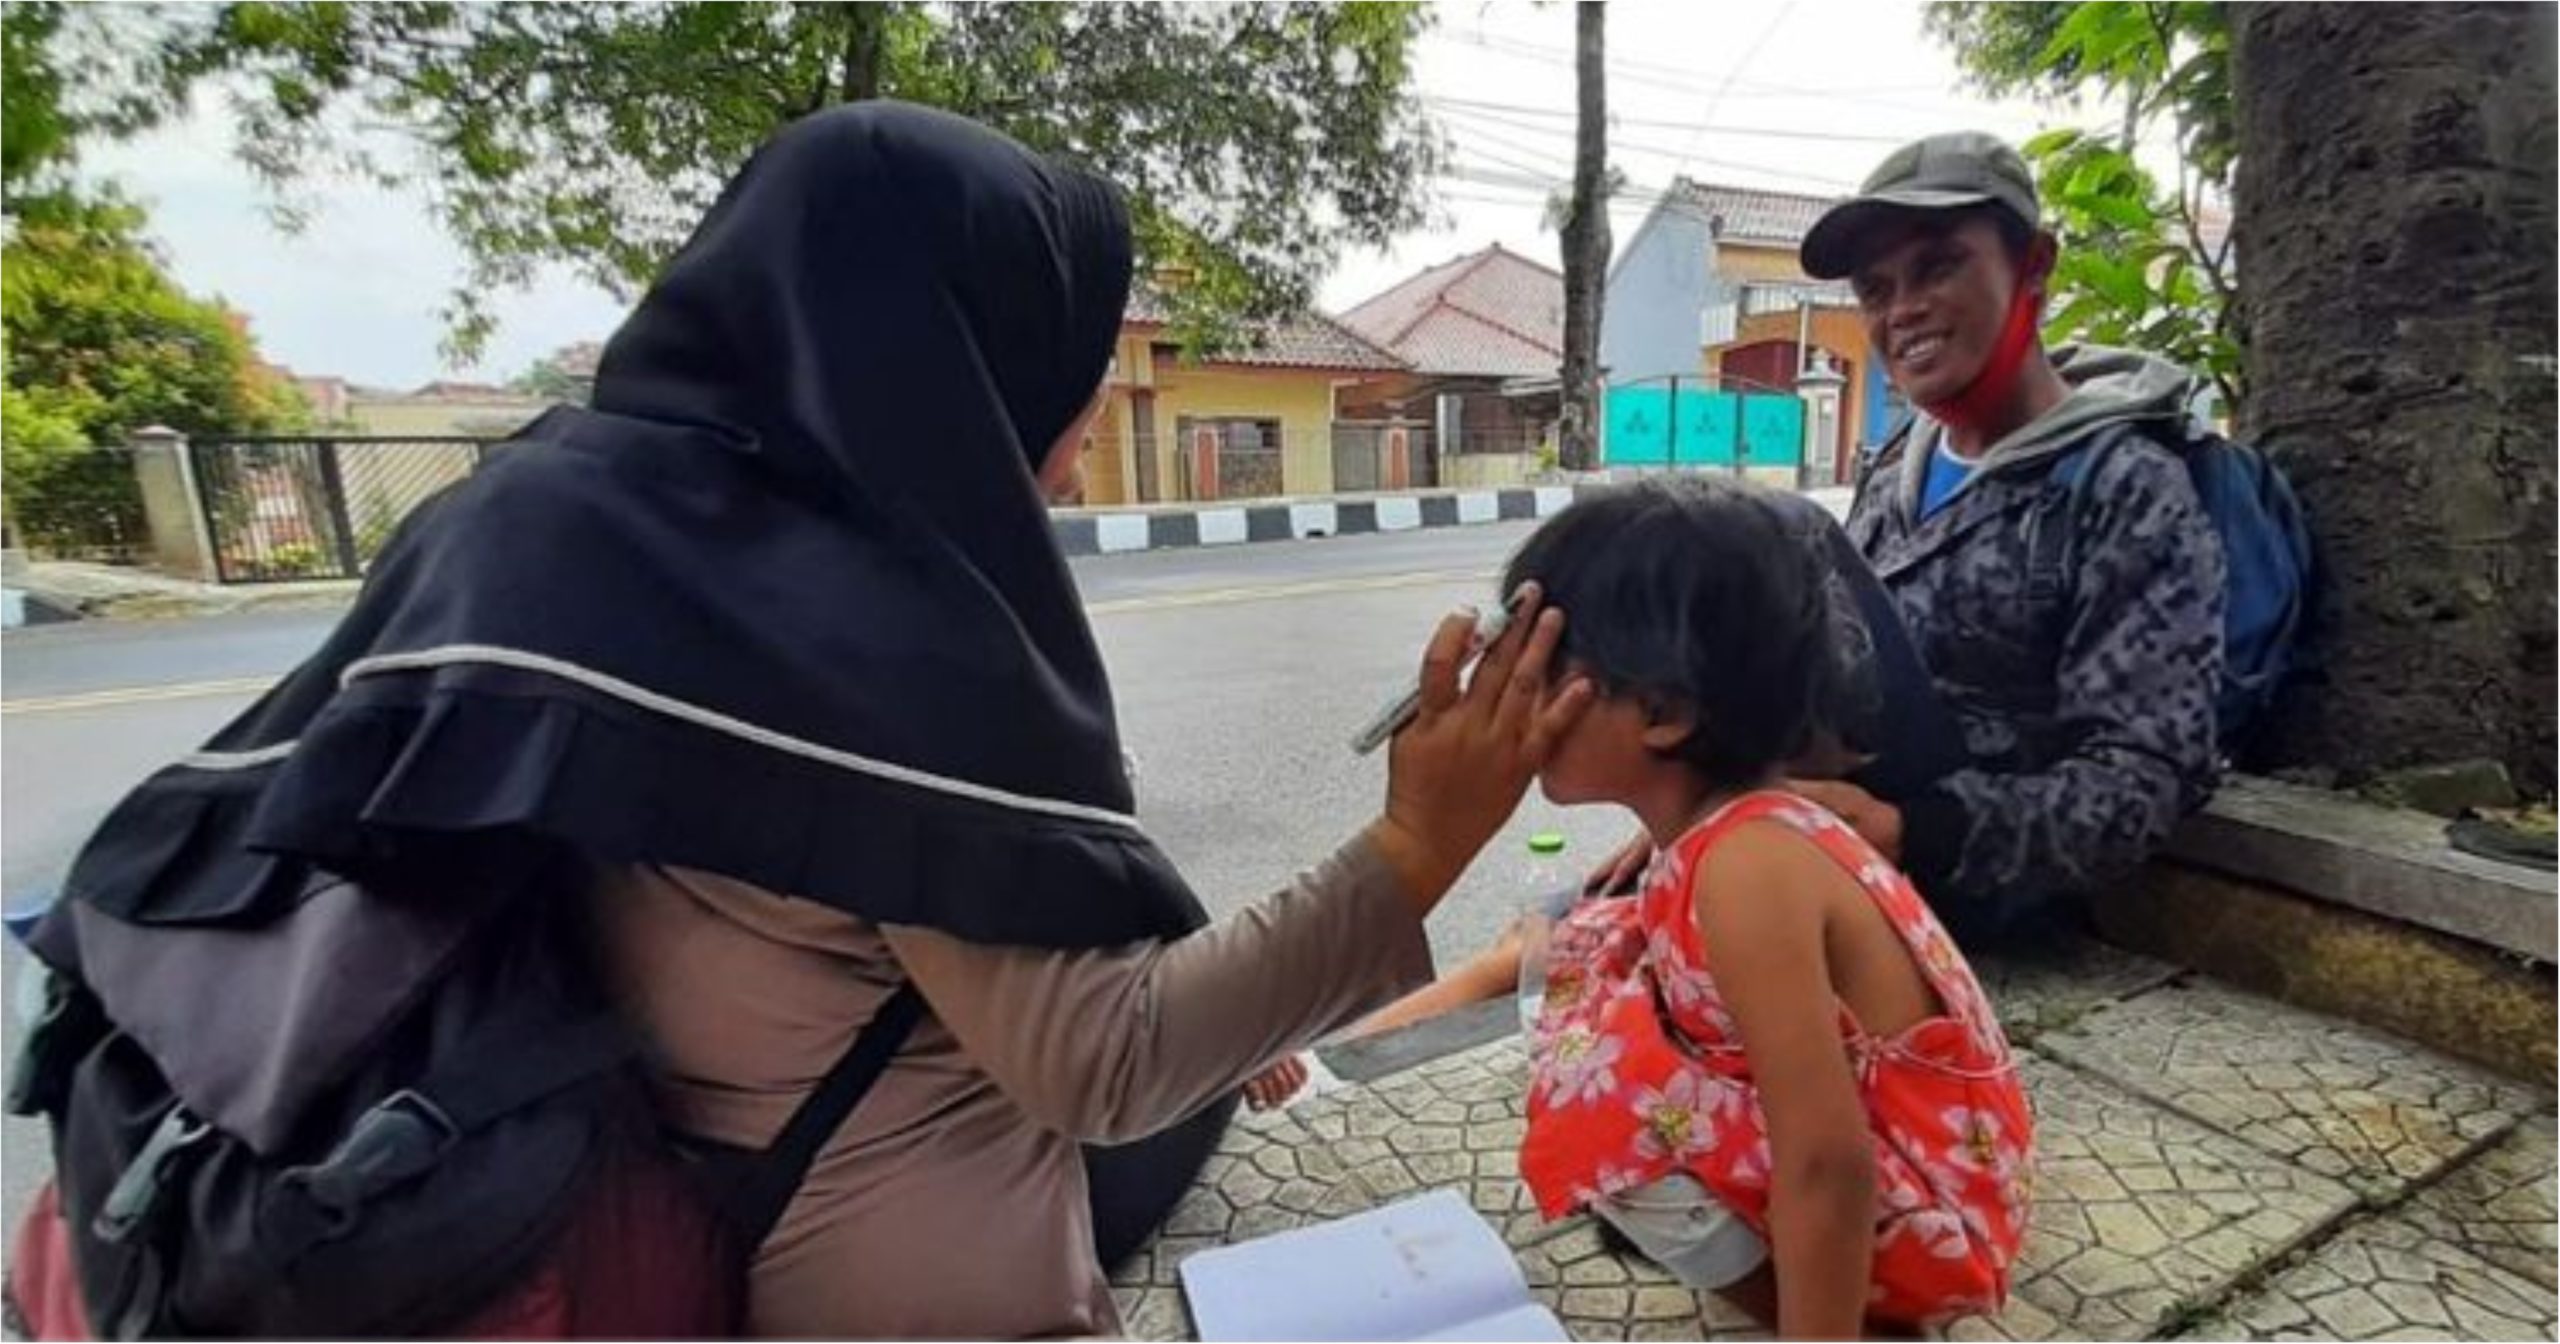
column 953, row 1203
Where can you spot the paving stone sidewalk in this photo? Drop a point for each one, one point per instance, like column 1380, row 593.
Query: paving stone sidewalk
column 2210, row 1165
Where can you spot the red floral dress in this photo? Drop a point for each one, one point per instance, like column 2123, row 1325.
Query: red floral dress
column 1637, row 1071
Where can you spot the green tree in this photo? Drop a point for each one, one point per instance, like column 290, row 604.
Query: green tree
column 1256, row 141
column 546, row 378
column 32, row 130
column 99, row 342
column 102, row 337
column 2139, row 265
column 70, row 73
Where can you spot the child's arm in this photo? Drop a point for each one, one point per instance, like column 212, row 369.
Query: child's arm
column 1764, row 934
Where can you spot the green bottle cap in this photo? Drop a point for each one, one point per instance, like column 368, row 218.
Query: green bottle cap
column 1546, row 842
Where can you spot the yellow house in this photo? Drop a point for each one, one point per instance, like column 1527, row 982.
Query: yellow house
column 1249, row 423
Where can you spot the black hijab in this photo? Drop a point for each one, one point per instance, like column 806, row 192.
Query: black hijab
column 784, row 605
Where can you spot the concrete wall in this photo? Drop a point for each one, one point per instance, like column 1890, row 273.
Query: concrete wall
column 1657, row 298
column 1739, row 262
column 1106, row 454
column 169, row 510
column 1468, row 471
column 439, row 419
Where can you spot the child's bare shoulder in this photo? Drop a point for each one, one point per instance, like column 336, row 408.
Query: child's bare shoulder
column 1765, row 861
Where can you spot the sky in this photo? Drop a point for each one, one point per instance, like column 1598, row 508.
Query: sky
column 1799, row 95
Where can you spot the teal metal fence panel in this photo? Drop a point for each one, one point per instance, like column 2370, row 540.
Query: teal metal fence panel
column 1655, row 426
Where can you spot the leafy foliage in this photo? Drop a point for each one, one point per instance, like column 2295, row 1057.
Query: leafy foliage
column 100, row 342
column 2138, row 265
column 2130, row 274
column 32, row 129
column 1256, row 140
column 550, row 378
column 70, row 73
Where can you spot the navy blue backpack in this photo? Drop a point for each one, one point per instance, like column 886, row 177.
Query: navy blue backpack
column 2266, row 550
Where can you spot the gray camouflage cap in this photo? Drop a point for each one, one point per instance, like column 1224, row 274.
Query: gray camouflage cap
column 1942, row 172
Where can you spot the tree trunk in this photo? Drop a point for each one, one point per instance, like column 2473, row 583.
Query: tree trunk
column 1586, row 246
column 2394, row 216
column 866, row 31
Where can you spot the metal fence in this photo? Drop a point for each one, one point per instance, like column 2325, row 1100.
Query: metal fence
column 283, row 509
column 79, row 506
column 1669, row 425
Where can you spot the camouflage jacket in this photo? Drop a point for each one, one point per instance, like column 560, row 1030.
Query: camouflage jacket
column 2086, row 706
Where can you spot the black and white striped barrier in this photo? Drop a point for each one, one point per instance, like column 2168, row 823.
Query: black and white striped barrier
column 1112, row 532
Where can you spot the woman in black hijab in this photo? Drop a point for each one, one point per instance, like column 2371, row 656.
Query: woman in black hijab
column 777, row 637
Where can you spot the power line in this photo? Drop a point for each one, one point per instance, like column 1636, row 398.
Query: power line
column 1561, row 160
column 1831, row 184
column 1715, row 103
column 1542, row 188
column 1513, row 112
column 1521, row 46
column 1638, row 73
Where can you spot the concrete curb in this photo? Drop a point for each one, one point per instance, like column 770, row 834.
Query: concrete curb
column 1080, row 533
column 1116, row 531
column 20, row 608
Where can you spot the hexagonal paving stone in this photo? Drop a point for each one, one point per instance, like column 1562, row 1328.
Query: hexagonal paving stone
column 1152, row 1313
column 2389, row 1278
column 2139, row 1211
column 2341, row 1100
column 1453, row 1123
column 2498, row 1206
column 2142, row 1213
column 1603, row 1293
column 2044, row 989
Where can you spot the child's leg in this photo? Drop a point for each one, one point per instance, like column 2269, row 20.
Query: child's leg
column 1757, row 1295
column 1677, row 1223
column 1489, row 974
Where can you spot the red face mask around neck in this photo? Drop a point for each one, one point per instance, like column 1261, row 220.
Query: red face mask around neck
column 1981, row 399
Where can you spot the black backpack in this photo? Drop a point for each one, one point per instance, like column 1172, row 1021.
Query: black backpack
column 361, row 1114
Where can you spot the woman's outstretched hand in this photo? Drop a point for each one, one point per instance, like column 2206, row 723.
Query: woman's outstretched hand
column 1455, row 773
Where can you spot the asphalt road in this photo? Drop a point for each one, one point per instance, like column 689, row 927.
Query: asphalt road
column 1240, row 674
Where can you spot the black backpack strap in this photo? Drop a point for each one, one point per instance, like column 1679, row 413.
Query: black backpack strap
column 404, row 1136
column 754, row 1202
column 2054, row 525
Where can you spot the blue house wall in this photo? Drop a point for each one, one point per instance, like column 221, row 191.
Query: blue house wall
column 1658, row 292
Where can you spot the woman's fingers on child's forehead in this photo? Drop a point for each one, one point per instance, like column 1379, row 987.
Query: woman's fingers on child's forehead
column 1540, row 649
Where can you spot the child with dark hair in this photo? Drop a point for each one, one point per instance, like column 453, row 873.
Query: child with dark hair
column 1770, row 1063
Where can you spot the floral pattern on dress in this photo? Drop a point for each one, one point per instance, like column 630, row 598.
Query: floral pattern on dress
column 1637, row 1071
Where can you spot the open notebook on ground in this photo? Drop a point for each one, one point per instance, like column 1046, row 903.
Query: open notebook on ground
column 1426, row 1268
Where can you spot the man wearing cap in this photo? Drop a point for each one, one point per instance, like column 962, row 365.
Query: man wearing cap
column 2073, row 631
column 2071, row 619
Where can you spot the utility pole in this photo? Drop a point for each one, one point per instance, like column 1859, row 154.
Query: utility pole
column 1586, row 245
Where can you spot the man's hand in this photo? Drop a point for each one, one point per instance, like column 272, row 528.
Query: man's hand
column 1876, row 821
column 1618, row 872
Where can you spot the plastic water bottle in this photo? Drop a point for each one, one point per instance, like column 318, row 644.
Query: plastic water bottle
column 1546, row 879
